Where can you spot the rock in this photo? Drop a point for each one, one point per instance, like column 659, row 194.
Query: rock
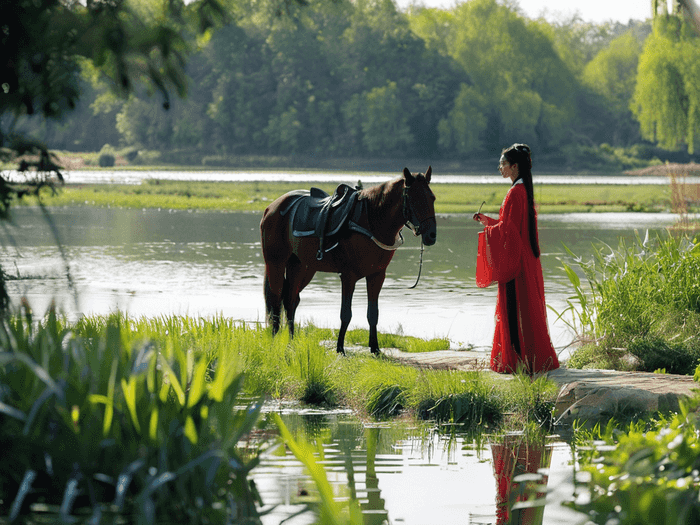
column 593, row 396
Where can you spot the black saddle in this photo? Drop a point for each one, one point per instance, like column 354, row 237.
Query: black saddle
column 314, row 213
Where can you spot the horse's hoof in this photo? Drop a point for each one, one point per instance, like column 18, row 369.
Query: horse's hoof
column 375, row 351
column 340, row 351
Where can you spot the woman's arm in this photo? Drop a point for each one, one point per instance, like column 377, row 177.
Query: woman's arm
column 483, row 219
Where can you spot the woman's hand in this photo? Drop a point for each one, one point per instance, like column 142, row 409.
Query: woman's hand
column 478, row 217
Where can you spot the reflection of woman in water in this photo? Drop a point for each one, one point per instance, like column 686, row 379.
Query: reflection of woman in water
column 514, row 455
column 511, row 256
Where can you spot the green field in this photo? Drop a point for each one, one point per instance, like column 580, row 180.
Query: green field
column 451, row 198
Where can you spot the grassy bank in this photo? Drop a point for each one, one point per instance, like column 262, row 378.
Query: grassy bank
column 451, row 198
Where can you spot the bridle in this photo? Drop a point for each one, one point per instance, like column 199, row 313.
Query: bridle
column 411, row 219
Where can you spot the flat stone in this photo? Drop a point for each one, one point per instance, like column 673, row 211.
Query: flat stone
column 598, row 395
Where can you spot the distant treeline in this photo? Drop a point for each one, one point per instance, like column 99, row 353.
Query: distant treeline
column 360, row 78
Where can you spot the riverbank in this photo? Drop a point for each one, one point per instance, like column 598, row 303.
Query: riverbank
column 450, row 198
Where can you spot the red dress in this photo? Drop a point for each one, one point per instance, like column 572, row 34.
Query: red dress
column 506, row 257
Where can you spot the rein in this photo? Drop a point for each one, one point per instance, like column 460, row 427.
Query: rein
column 420, row 267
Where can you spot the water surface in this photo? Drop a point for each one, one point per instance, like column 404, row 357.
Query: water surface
column 164, row 262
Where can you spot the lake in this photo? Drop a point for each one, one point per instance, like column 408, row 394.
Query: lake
column 162, row 262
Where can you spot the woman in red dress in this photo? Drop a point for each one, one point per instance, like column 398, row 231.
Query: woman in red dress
column 511, row 256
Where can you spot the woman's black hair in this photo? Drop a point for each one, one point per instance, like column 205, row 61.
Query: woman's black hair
column 520, row 154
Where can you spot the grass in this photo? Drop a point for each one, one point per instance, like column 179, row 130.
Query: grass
column 308, row 369
column 451, row 198
column 639, row 307
column 101, row 420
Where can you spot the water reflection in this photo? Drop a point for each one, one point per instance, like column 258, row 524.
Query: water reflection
column 411, row 475
column 518, row 461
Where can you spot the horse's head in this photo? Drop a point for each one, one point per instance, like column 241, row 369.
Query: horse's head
column 419, row 205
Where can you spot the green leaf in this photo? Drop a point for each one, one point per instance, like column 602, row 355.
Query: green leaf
column 198, row 383
column 153, row 425
column 109, row 406
column 191, row 430
column 129, row 391
column 174, row 383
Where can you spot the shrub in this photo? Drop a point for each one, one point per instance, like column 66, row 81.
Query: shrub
column 648, row 474
column 105, row 160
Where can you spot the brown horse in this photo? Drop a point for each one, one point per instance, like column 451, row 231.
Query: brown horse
column 364, row 251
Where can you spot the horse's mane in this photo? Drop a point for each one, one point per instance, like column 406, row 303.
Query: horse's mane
column 376, row 197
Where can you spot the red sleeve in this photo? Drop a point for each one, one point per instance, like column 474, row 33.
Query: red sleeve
column 503, row 241
column 490, row 221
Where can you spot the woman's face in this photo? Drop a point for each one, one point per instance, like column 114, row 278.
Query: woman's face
column 508, row 170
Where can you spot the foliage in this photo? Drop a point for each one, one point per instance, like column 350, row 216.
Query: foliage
column 648, row 474
column 340, row 78
column 527, row 100
column 667, row 98
column 642, row 300
column 97, row 421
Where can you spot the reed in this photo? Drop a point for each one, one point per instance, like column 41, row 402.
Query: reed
column 640, row 305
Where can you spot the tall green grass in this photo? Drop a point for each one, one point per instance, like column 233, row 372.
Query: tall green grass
column 307, row 369
column 639, row 306
column 101, row 421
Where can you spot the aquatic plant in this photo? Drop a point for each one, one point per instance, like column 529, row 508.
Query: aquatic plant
column 646, row 474
column 100, row 425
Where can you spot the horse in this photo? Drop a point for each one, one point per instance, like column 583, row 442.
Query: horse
column 365, row 250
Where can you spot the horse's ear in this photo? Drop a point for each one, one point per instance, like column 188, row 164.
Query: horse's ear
column 409, row 178
column 428, row 174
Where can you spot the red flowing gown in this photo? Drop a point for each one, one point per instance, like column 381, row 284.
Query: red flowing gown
column 507, row 258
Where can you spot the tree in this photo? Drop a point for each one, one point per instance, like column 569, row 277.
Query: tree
column 45, row 42
column 511, row 62
column 612, row 74
column 385, row 124
column 667, row 96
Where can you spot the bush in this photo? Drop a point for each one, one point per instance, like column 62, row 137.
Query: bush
column 105, row 160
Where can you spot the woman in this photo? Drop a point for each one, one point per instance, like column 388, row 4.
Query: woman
column 512, row 254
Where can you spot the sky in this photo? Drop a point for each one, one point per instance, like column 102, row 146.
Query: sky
column 590, row 10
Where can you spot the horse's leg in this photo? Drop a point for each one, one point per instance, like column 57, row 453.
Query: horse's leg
column 273, row 286
column 345, row 309
column 298, row 276
column 374, row 286
column 276, row 252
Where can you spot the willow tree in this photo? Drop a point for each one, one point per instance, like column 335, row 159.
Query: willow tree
column 666, row 99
